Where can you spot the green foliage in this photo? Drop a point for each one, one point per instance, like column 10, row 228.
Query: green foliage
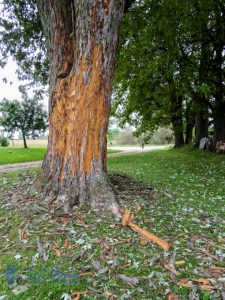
column 4, row 141
column 28, row 116
column 162, row 136
column 167, row 67
column 21, row 36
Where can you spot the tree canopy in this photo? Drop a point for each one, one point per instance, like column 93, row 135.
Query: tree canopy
column 170, row 64
column 27, row 116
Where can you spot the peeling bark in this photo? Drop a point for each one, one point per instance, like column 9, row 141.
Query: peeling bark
column 82, row 37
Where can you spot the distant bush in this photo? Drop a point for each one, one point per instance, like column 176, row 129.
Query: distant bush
column 162, row 136
column 4, row 141
column 127, row 137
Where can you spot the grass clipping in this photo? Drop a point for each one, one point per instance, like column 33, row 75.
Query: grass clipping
column 126, row 221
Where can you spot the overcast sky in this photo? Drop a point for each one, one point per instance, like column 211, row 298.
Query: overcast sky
column 10, row 90
column 7, row 90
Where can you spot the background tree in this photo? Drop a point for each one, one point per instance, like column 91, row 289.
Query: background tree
column 27, row 116
column 176, row 72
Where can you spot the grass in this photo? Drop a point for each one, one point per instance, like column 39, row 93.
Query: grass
column 10, row 155
column 187, row 208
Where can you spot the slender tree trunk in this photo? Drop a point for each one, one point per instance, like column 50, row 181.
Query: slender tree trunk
column 24, row 140
column 82, row 37
column 190, row 123
column 201, row 127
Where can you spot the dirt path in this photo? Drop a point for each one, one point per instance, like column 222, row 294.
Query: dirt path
column 37, row 164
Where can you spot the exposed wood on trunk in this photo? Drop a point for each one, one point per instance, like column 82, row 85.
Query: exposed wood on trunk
column 82, row 39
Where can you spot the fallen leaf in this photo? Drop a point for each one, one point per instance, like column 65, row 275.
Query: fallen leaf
column 129, row 280
column 207, row 287
column 138, row 207
column 194, row 294
column 66, row 297
column 19, row 289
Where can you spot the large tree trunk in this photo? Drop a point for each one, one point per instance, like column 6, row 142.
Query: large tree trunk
column 82, row 37
column 219, row 123
column 176, row 112
column 218, row 76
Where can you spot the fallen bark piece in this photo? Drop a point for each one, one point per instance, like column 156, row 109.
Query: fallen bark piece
column 210, row 254
column 207, row 287
column 204, row 281
column 216, row 268
column 143, row 241
column 172, row 296
column 180, row 262
column 76, row 295
column 144, row 233
column 172, row 270
column 126, row 217
column 185, row 282
column 150, row 237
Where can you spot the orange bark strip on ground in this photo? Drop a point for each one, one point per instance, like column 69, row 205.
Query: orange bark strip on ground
column 216, row 268
column 126, row 217
column 144, row 233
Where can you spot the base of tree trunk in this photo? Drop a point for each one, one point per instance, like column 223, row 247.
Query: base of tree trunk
column 93, row 189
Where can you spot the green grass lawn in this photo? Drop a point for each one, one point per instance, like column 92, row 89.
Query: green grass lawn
column 10, row 155
column 186, row 208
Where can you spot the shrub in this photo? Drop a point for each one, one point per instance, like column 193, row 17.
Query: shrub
column 4, row 141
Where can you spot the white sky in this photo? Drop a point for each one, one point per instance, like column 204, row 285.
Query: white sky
column 7, row 90
column 10, row 90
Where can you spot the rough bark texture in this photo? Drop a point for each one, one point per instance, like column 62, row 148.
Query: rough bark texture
column 82, row 37
column 218, row 74
column 219, row 123
column 190, row 124
column 177, row 121
column 24, row 140
column 201, row 127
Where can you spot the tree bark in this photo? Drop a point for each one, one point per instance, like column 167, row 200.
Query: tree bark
column 82, row 37
column 219, row 123
column 201, row 127
column 24, row 140
column 218, row 75
column 189, row 133
column 190, row 123
column 176, row 112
